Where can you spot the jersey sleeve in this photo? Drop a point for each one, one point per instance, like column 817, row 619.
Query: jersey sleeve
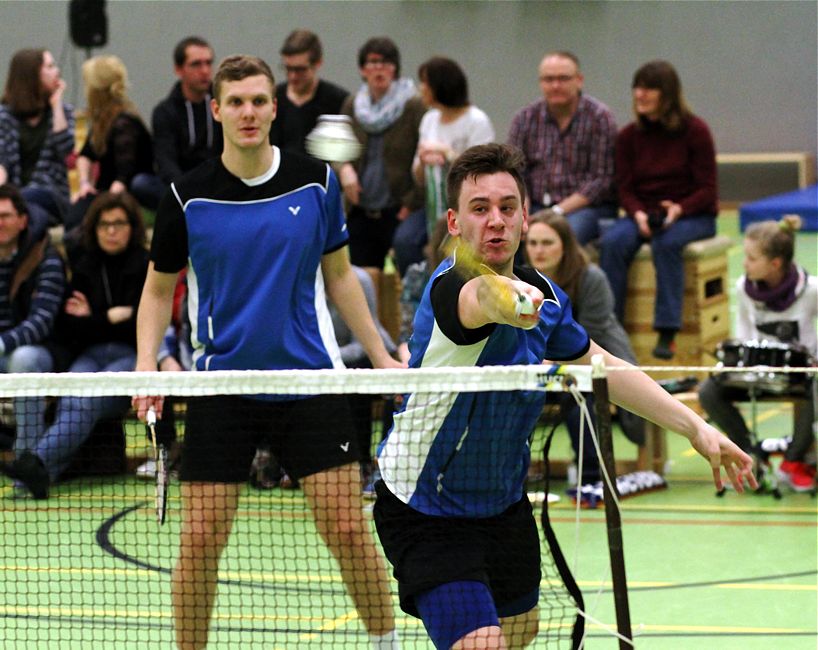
column 169, row 249
column 444, row 295
column 337, row 234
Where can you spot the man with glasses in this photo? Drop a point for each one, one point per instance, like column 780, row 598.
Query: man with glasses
column 303, row 97
column 568, row 142
column 184, row 131
column 32, row 288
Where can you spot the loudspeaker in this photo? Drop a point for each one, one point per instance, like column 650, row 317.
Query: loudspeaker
column 88, row 22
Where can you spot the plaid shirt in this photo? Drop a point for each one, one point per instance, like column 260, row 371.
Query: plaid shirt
column 579, row 159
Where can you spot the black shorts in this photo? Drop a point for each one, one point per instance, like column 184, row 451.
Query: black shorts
column 370, row 235
column 503, row 551
column 307, row 436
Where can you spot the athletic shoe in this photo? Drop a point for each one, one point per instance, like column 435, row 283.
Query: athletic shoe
column 590, row 495
column 147, row 470
column 28, row 469
column 799, row 476
column 664, row 350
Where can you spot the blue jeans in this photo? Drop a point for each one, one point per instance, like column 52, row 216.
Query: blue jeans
column 76, row 416
column 409, row 239
column 589, row 224
column 29, row 412
column 620, row 245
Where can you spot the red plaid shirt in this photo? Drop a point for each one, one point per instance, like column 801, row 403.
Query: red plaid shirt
column 579, row 159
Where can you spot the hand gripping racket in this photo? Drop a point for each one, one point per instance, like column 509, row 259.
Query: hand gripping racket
column 160, row 456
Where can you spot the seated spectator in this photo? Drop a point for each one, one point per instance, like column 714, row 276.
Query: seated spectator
column 36, row 134
column 117, row 139
column 380, row 188
column 304, row 96
column 184, row 131
column 448, row 128
column 99, row 322
column 552, row 248
column 777, row 301
column 666, row 176
column 32, row 290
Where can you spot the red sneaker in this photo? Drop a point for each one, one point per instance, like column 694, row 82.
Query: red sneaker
column 799, row 476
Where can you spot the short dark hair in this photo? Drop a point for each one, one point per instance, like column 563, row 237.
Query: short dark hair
column 302, row 41
column 180, row 51
column 238, row 67
column 481, row 160
column 106, row 202
column 446, row 80
column 384, row 46
column 662, row 76
column 24, row 92
column 10, row 192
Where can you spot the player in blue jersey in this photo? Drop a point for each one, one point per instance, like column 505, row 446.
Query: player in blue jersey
column 451, row 512
column 262, row 235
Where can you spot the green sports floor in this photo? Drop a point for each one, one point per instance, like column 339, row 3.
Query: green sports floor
column 89, row 568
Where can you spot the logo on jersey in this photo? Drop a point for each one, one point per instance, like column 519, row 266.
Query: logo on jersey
column 345, row 447
column 295, row 210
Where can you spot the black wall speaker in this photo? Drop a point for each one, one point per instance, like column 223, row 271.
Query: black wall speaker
column 88, row 23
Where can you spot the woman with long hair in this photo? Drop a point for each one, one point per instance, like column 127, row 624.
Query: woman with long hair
column 778, row 303
column 36, row 135
column 552, row 248
column 99, row 325
column 666, row 178
column 117, row 138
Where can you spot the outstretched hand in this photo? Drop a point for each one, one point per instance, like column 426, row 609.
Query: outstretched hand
column 720, row 452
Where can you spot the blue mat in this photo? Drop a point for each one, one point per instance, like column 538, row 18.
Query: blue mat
column 801, row 202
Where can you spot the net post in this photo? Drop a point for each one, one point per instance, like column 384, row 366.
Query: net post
column 599, row 381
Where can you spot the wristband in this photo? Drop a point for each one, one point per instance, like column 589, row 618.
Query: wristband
column 557, row 209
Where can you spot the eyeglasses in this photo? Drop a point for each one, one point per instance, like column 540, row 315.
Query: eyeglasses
column 557, row 78
column 376, row 63
column 295, row 69
column 117, row 225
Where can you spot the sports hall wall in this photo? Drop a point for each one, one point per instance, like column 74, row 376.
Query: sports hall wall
column 749, row 68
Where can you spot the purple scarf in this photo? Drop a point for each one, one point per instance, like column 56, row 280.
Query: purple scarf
column 781, row 296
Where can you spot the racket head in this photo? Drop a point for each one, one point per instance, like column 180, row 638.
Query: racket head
column 162, row 477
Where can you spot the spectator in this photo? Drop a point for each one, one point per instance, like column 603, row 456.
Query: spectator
column 777, row 301
column 32, row 287
column 552, row 248
column 568, row 142
column 184, row 131
column 99, row 322
column 448, row 128
column 36, row 134
column 666, row 175
column 379, row 187
column 117, row 139
column 304, row 96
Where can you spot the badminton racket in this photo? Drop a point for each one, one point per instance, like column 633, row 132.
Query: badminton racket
column 160, row 457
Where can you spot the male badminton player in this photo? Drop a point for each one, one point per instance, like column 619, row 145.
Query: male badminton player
column 258, row 229
column 451, row 512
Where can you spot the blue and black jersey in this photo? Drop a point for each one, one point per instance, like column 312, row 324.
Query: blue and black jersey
column 467, row 454
column 253, row 248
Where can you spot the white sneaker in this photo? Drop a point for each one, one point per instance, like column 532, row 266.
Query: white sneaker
column 147, row 470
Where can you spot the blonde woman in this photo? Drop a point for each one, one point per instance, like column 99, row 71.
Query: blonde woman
column 118, row 140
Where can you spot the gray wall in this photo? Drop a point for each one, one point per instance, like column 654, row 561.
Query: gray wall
column 748, row 68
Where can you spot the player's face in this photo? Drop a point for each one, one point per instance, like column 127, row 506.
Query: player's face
column 758, row 266
column 560, row 81
column 113, row 231
column 647, row 102
column 491, row 219
column 301, row 74
column 12, row 223
column 196, row 73
column 49, row 73
column 544, row 247
column 246, row 109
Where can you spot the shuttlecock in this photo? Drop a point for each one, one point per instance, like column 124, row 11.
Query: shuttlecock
column 333, row 140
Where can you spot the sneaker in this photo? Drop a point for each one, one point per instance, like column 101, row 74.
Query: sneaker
column 664, row 350
column 590, row 495
column 799, row 476
column 147, row 470
column 30, row 471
